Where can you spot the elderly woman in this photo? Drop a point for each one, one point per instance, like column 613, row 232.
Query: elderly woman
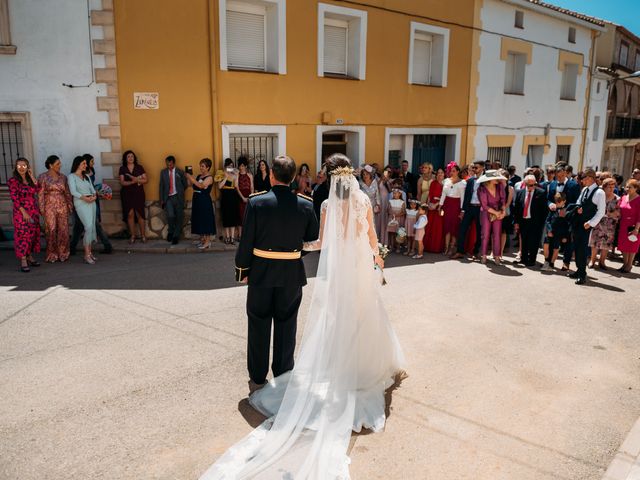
column 492, row 199
column 603, row 235
column 56, row 205
column 23, row 189
column 84, row 200
column 369, row 186
column 629, row 235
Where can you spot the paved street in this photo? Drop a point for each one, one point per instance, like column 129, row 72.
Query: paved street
column 135, row 369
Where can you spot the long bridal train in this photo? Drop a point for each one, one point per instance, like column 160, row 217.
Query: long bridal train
column 348, row 356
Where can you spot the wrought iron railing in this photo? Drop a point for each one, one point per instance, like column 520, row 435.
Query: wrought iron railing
column 11, row 148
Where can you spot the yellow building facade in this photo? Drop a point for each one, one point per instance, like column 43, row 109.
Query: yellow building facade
column 334, row 76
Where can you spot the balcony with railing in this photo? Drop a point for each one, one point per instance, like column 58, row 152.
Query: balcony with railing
column 624, row 127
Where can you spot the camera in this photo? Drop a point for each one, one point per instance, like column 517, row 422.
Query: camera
column 189, row 169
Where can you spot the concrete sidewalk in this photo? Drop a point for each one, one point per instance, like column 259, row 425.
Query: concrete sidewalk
column 134, row 368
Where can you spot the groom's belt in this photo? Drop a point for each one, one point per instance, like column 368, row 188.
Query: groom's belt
column 271, row 255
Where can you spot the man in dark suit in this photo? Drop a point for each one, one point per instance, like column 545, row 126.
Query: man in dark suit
column 410, row 180
column 470, row 211
column 269, row 259
column 172, row 186
column 563, row 183
column 530, row 212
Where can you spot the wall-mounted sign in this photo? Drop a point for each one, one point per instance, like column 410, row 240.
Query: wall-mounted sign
column 146, row 100
column 339, row 121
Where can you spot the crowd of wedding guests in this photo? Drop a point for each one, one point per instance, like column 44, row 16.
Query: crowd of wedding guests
column 476, row 210
column 480, row 209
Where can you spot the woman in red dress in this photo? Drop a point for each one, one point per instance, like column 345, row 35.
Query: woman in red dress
column 245, row 188
column 434, row 234
column 23, row 189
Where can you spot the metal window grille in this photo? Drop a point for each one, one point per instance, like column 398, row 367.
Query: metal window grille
column 501, row 155
column 254, row 148
column 563, row 153
column 11, row 148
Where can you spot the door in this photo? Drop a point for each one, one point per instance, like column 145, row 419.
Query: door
column 429, row 149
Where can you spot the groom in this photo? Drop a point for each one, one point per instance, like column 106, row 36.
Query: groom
column 269, row 259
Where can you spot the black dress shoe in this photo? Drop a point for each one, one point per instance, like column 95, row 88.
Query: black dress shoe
column 169, row 239
column 581, row 281
column 573, row 275
column 530, row 264
column 107, row 250
column 175, row 241
column 33, row 263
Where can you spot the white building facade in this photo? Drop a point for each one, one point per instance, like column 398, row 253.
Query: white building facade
column 533, row 89
column 47, row 84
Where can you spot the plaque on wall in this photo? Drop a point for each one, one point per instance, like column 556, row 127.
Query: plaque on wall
column 146, row 100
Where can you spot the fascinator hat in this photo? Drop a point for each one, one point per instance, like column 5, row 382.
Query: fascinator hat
column 450, row 166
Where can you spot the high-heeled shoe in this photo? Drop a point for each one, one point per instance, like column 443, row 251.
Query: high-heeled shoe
column 132, row 240
column 144, row 239
column 88, row 260
column 33, row 263
column 24, row 269
column 204, row 246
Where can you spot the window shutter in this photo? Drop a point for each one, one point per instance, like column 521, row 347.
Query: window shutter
column 335, row 49
column 422, row 59
column 245, row 40
column 509, row 75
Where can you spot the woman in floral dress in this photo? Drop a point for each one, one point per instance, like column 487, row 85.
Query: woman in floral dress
column 23, row 189
column 603, row 235
column 56, row 205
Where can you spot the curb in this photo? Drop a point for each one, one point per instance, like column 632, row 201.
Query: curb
column 216, row 247
column 626, row 464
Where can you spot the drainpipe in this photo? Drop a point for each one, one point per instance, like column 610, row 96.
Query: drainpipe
column 213, row 84
column 585, row 130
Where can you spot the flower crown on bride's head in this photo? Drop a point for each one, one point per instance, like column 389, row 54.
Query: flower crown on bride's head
column 342, row 172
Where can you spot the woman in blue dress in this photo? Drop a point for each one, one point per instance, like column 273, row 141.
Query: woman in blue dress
column 84, row 201
column 203, row 220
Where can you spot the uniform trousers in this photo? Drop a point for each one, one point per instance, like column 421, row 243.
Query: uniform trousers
column 267, row 305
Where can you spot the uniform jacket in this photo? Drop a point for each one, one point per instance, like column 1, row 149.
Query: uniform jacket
column 468, row 193
column 278, row 221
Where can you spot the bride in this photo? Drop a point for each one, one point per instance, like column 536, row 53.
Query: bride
column 348, row 356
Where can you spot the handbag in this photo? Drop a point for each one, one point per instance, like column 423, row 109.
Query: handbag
column 492, row 217
column 393, row 223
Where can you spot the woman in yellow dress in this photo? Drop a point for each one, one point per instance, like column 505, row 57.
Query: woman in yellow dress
column 424, row 182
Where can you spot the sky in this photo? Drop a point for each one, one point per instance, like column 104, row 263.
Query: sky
column 622, row 12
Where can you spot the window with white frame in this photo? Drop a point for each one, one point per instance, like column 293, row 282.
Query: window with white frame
column 428, row 55
column 569, row 81
column 253, row 35
column 623, row 57
column 515, row 66
column 342, row 41
column 5, row 31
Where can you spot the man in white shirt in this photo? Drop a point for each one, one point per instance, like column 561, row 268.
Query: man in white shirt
column 592, row 207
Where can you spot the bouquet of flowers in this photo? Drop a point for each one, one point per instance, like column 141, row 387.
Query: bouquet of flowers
column 383, row 252
column 104, row 191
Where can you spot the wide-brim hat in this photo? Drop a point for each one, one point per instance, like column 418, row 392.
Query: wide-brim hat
column 490, row 175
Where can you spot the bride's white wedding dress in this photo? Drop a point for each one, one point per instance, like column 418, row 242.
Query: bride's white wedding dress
column 348, row 356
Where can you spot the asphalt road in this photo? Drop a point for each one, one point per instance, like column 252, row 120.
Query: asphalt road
column 135, row 369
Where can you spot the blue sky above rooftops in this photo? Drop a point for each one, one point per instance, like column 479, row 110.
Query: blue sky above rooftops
column 622, row 12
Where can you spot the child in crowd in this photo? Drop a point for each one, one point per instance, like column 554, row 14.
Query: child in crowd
column 412, row 216
column 419, row 228
column 396, row 210
column 557, row 231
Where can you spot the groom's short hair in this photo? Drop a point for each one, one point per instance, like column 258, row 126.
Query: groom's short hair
column 284, row 169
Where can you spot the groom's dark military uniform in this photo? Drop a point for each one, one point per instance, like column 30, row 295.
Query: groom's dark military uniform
column 276, row 224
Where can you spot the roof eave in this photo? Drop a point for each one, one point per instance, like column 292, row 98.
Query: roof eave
column 556, row 14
